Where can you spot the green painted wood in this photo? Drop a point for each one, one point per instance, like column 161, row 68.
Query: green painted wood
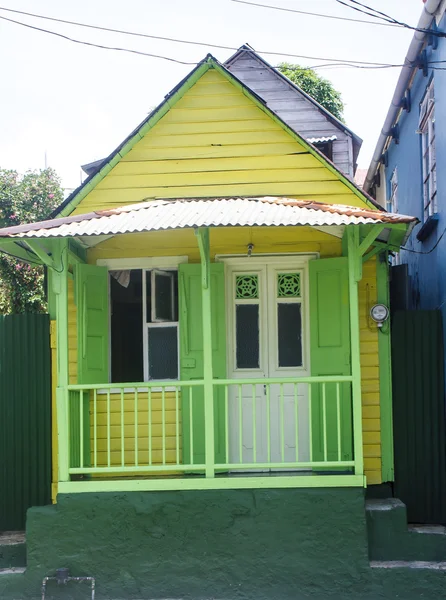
column 25, row 417
column 93, row 325
column 385, row 371
column 354, row 276
column 419, row 414
column 330, row 355
column 191, row 359
column 59, row 281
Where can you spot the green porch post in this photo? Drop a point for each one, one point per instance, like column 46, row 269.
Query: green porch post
column 60, row 288
column 203, row 244
column 355, row 275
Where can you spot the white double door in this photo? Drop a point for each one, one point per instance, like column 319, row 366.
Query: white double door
column 268, row 338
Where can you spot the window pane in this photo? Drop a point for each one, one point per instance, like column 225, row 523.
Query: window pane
column 165, row 296
column 247, row 336
column 163, row 353
column 289, row 328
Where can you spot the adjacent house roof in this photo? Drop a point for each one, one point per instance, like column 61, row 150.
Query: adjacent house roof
column 157, row 215
column 246, row 49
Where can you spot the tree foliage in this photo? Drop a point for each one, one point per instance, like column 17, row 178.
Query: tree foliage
column 24, row 199
column 315, row 86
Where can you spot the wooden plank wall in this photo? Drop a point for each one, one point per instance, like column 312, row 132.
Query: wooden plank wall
column 291, row 106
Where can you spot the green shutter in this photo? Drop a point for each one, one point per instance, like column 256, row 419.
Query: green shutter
column 191, row 357
column 93, row 323
column 330, row 354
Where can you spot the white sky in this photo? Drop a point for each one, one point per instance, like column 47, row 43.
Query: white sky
column 76, row 103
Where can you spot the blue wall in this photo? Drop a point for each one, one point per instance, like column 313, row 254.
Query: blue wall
column 427, row 272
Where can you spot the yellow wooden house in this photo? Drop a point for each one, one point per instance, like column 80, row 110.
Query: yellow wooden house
column 218, row 294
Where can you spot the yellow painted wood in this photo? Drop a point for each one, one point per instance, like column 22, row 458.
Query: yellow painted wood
column 207, row 145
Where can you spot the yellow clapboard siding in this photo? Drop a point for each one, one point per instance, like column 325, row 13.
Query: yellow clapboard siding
column 298, row 162
column 372, row 450
column 143, row 458
column 372, row 438
column 374, row 476
column 216, row 120
column 372, row 464
column 301, row 176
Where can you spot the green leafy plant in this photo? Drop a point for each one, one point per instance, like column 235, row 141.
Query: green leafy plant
column 315, row 86
column 23, row 199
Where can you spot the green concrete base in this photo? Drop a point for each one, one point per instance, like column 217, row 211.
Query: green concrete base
column 12, row 555
column 239, row 544
column 390, row 539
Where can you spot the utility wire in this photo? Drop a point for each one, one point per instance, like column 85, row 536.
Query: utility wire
column 175, row 40
column 65, row 37
column 303, row 12
column 385, row 17
column 335, row 63
column 428, row 251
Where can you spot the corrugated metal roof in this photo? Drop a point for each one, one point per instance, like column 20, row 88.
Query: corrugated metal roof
column 214, row 212
column 321, row 140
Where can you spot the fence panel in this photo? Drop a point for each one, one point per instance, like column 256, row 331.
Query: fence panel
column 25, row 417
column 419, row 414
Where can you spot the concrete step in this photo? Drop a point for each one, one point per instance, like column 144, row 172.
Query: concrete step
column 12, row 549
column 408, row 564
column 392, row 540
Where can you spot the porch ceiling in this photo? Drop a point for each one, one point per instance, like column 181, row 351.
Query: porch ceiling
column 156, row 215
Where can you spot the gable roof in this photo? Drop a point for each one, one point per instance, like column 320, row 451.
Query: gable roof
column 246, row 49
column 209, row 62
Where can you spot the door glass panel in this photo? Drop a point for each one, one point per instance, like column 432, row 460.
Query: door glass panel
column 289, row 333
column 163, row 296
column 247, row 336
column 163, row 353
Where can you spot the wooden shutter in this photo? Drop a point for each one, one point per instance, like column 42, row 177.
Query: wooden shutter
column 191, row 357
column 330, row 353
column 93, row 323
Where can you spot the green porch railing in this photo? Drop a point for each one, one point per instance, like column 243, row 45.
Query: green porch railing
column 159, row 428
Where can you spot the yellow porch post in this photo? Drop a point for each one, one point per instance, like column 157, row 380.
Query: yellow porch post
column 208, row 375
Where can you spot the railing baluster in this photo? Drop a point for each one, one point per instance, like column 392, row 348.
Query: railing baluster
column 240, row 418
column 268, row 422
column 163, row 421
column 95, row 430
column 338, row 413
column 227, row 423
column 282, row 424
column 177, row 427
column 254, row 428
column 324, row 420
column 149, row 408
column 191, row 424
column 122, row 429
column 296, row 420
column 81, row 429
column 136, row 427
column 108, row 428
column 310, row 424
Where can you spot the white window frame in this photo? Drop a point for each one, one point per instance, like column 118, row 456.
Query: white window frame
column 152, row 324
column 428, row 153
column 164, row 263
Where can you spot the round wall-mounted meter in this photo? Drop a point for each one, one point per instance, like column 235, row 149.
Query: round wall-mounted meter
column 379, row 313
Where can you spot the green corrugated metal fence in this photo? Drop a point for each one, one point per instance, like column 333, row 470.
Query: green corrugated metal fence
column 25, row 417
column 419, row 414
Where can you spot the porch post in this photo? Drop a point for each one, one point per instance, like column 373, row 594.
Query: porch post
column 355, row 275
column 60, row 288
column 203, row 244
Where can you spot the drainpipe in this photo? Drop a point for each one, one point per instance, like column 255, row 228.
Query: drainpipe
column 429, row 10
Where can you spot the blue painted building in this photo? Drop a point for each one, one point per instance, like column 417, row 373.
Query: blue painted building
column 407, row 174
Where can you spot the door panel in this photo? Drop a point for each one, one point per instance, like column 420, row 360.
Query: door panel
column 330, row 355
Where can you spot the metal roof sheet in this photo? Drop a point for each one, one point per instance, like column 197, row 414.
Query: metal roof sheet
column 157, row 215
column 321, row 140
